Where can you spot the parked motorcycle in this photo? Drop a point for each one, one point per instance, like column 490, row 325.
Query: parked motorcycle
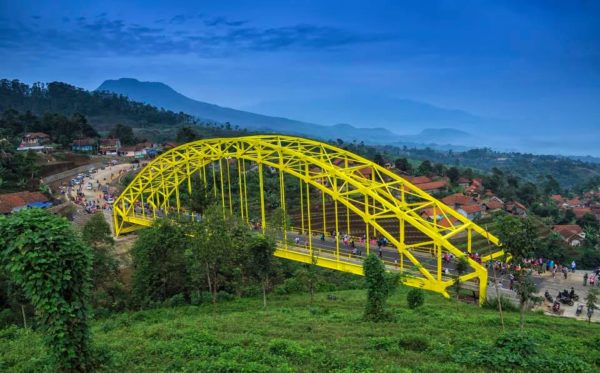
column 564, row 299
column 548, row 297
column 556, row 307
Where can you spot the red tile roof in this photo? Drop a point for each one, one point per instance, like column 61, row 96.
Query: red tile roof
column 457, row 199
column 448, row 222
column 434, row 185
column 556, row 198
column 418, row 179
column 567, row 230
column 580, row 211
column 470, row 209
column 493, row 204
column 10, row 201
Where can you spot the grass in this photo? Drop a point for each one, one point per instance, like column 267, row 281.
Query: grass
column 293, row 335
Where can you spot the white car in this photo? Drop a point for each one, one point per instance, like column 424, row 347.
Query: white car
column 110, row 200
column 89, row 186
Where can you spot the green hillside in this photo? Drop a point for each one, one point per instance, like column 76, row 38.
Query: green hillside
column 329, row 335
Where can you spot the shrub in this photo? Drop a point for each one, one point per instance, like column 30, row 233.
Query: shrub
column 176, row 300
column 414, row 343
column 507, row 305
column 379, row 287
column 415, row 298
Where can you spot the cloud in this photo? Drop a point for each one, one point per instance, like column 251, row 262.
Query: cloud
column 181, row 34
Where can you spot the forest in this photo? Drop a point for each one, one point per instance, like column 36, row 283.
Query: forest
column 103, row 109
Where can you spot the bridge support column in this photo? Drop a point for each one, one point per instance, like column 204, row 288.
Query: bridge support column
column 263, row 220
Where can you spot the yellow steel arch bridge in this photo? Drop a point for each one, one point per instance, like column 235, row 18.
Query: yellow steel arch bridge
column 345, row 203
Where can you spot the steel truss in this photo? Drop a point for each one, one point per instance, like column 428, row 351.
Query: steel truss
column 364, row 188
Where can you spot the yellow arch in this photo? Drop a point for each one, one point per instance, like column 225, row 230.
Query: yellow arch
column 370, row 191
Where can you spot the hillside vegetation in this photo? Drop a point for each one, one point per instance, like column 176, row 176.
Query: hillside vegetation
column 102, row 109
column 329, row 335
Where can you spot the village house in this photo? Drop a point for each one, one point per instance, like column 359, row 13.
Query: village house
column 11, row 202
column 492, row 205
column 109, row 146
column 35, row 141
column 434, row 186
column 516, row 208
column 458, row 199
column 463, row 182
column 570, row 233
column 581, row 211
column 132, row 151
column 471, row 212
column 88, row 145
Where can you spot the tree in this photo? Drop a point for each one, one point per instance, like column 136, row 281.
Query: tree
column 568, row 217
column 379, row 287
column 105, row 275
column 439, row 169
column 124, row 134
column 415, row 298
column 309, row 275
column 425, row 168
column 518, row 236
column 590, row 301
column 51, row 264
column 201, row 197
column 378, row 159
column 588, row 220
column 525, row 289
column 403, row 164
column 261, row 250
column 453, row 174
column 159, row 265
column 209, row 251
column 186, row 134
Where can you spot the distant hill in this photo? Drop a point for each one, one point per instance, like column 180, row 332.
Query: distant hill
column 102, row 109
column 161, row 95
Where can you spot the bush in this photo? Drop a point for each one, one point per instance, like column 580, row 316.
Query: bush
column 414, row 343
column 415, row 298
column 515, row 350
column 176, row 300
column 507, row 305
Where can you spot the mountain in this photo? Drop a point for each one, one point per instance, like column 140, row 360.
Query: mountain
column 402, row 116
column 161, row 95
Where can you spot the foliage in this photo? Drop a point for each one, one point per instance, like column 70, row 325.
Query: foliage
column 292, row 336
column 380, row 286
column 590, row 302
column 261, row 249
column 159, row 264
column 18, row 170
column 518, row 236
column 108, row 292
column 525, row 288
column 415, row 298
column 124, row 134
column 58, row 97
column 507, row 305
column 52, row 266
column 516, row 350
column 186, row 134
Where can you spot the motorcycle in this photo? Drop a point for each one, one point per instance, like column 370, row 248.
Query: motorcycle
column 548, row 297
column 564, row 299
column 556, row 307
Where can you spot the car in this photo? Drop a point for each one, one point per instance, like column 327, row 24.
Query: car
column 89, row 186
column 76, row 181
column 110, row 200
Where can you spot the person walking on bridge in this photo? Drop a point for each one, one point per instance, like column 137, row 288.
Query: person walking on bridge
column 585, row 278
column 573, row 265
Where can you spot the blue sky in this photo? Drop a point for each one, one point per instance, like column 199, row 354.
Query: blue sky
column 530, row 69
